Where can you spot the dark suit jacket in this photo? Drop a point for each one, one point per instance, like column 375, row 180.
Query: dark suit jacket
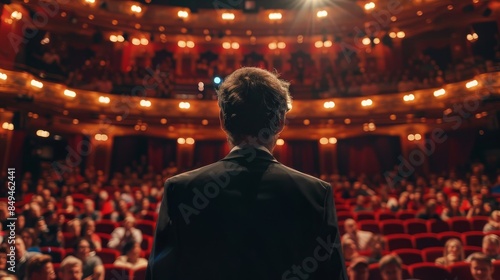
column 246, row 216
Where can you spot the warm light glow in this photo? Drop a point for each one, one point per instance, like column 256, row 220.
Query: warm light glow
column 318, row 44
column 181, row 141
column 182, row 14
column 235, row 45
column 439, row 92
column 323, row 141
column 3, row 76
column 392, row 117
column 366, row 102
column 369, row 6
column 190, row 44
column 144, row 41
column 36, row 84
column 8, row 126
column 418, row 136
column 472, row 37
column 90, row 1
column 114, row 22
column 471, row 84
column 136, row 8
column 347, row 121
column 411, row 137
column 366, row 41
column 181, row 44
column 280, row 142
column 104, row 99
column 332, row 140
column 42, row 133
column 113, row 38
column 273, row 46
column 136, row 42
column 393, row 35
column 281, row 45
column 204, row 122
column 329, row 104
column 228, row 16
column 400, row 34
column 376, row 41
column 101, row 137
column 226, row 45
column 69, row 93
column 327, row 44
column 145, row 103
column 420, row 13
column 120, row 38
column 394, row 18
column 275, row 16
column 190, row 141
column 409, row 97
column 16, row 15
column 322, row 14
column 184, row 105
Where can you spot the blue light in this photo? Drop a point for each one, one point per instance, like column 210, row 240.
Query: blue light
column 217, row 80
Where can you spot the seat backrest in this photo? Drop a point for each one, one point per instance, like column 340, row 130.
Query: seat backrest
column 473, row 238
column 117, row 272
column 461, row 270
column 399, row 241
column 431, row 254
column 391, row 227
column 429, row 271
column 478, row 222
column 437, row 226
column 414, row 226
column 409, row 256
column 382, row 216
column 406, row 215
column 365, row 215
column 425, row 240
column 460, row 224
column 369, row 225
column 445, row 236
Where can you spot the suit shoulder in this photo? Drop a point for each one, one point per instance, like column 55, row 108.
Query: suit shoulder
column 188, row 176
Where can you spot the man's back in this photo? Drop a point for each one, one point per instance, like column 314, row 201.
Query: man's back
column 246, row 217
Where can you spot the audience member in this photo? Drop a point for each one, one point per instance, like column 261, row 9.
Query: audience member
column 453, row 252
column 121, row 235
column 131, row 256
column 360, row 237
column 358, row 269
column 71, row 269
column 91, row 264
column 22, row 257
column 40, row 268
column 89, row 211
column 490, row 247
column 30, row 240
column 481, row 267
column 493, row 223
column 349, row 250
column 391, row 268
column 88, row 232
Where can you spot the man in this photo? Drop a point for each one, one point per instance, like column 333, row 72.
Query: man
column 71, row 269
column 358, row 269
column 122, row 235
column 360, row 237
column 22, row 257
column 491, row 247
column 391, row 268
column 481, row 267
column 247, row 216
column 40, row 268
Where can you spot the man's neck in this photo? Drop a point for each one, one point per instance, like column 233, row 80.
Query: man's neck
column 252, row 141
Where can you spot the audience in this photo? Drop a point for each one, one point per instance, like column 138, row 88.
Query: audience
column 493, row 223
column 88, row 232
column 360, row 237
column 358, row 269
column 91, row 264
column 22, row 257
column 453, row 252
column 490, row 247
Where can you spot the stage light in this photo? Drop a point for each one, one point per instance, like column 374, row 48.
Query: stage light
column 42, row 133
column 235, row 45
column 163, row 121
column 136, row 42
column 332, row 140
column 366, row 41
column 181, row 44
column 347, row 121
column 189, row 141
column 393, row 35
column 275, row 16
column 145, row 103
column 376, row 41
column 329, row 104
column 136, row 9
column 369, row 6
column 217, row 80
column 318, row 44
column 280, row 142
column 190, row 44
column 272, row 46
column 281, row 45
column 69, row 93
column 409, row 97
column 394, row 18
column 471, row 84
column 418, row 136
column 322, row 14
column 228, row 16
column 400, row 34
column 327, row 44
column 144, row 41
column 307, row 122
column 439, row 92
column 16, row 15
column 114, row 22
column 204, row 122
column 323, row 141
column 90, row 1
column 120, row 38
column 420, row 13
column 76, row 121
column 3, row 76
column 366, row 102
column 181, row 141
column 113, row 38
column 104, row 99
column 36, row 84
column 226, row 45
column 184, row 105
column 411, row 137
column 182, row 14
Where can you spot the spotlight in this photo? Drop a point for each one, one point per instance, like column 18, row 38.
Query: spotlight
column 217, row 80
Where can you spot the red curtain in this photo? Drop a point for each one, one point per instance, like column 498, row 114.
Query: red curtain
column 207, row 152
column 15, row 159
column 453, row 153
column 303, row 156
column 161, row 152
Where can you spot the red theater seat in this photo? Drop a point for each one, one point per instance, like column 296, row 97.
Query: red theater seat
column 69, row 240
column 471, row 249
column 386, row 215
column 496, row 270
column 437, row 226
column 107, row 255
column 399, row 241
column 342, row 216
column 426, row 240
column 116, row 272
column 147, row 243
column 461, row 270
column 56, row 253
column 105, row 237
column 140, row 273
column 409, row 256
column 447, row 235
column 478, row 222
column 460, row 224
column 371, row 226
column 428, row 271
column 406, row 215
column 365, row 216
column 473, row 238
column 391, row 227
column 431, row 254
column 105, row 226
column 147, row 227
column 374, row 272
column 414, row 226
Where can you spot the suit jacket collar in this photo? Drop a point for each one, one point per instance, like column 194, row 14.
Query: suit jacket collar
column 250, row 153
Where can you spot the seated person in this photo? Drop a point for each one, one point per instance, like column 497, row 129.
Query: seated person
column 71, row 269
column 40, row 267
column 92, row 264
column 360, row 237
column 491, row 247
column 493, row 223
column 358, row 269
column 481, row 267
column 349, row 250
column 122, row 235
column 453, row 252
column 131, row 256
column 391, row 267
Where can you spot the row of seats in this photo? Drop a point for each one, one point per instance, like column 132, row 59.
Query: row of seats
column 114, row 272
column 70, row 240
column 428, row 270
column 413, row 226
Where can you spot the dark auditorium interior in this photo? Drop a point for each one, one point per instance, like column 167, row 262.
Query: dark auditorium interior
column 396, row 104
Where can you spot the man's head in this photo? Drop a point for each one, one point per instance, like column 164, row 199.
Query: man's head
column 350, row 226
column 491, row 245
column 40, row 268
column 390, row 267
column 253, row 103
column 481, row 267
column 129, row 222
column 358, row 269
column 71, row 269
